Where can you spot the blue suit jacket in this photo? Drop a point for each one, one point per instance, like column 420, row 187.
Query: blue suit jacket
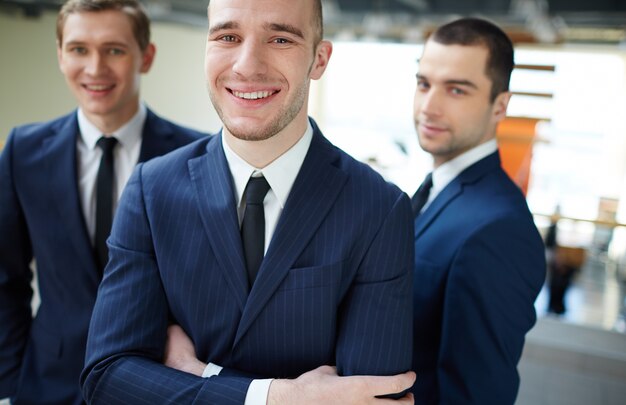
column 41, row 218
column 334, row 286
column 479, row 265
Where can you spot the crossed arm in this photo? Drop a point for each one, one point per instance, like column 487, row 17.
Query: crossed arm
column 321, row 385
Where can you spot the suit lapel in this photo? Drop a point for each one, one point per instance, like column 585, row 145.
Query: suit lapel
column 61, row 167
column 314, row 192
column 468, row 176
column 157, row 138
column 212, row 181
column 447, row 195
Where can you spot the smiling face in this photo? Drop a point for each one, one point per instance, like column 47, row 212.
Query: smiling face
column 453, row 111
column 260, row 57
column 102, row 64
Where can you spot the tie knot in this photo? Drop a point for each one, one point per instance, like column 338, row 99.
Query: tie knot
column 107, row 143
column 427, row 184
column 421, row 195
column 256, row 190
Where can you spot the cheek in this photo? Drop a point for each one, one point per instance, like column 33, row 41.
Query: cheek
column 417, row 104
column 68, row 68
column 213, row 67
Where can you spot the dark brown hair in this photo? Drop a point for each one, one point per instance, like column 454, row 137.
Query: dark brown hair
column 476, row 31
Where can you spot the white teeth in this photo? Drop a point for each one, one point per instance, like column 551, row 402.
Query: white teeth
column 98, row 87
column 255, row 95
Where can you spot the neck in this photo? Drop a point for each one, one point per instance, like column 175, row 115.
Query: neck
column 109, row 123
column 259, row 154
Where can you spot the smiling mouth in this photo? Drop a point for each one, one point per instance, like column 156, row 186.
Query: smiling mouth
column 98, row 87
column 255, row 95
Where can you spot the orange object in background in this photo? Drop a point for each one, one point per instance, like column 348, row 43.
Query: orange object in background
column 516, row 137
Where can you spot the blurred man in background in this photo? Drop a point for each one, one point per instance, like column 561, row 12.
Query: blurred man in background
column 479, row 259
column 59, row 185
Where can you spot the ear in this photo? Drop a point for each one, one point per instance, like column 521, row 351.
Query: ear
column 147, row 58
column 322, row 56
column 500, row 104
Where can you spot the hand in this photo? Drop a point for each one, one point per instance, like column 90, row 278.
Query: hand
column 324, row 386
column 180, row 352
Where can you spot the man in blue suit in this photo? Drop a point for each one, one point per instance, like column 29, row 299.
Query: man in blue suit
column 325, row 277
column 48, row 194
column 479, row 261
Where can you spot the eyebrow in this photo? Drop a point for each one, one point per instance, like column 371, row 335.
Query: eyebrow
column 228, row 25
column 110, row 43
column 279, row 27
column 456, row 82
column 291, row 29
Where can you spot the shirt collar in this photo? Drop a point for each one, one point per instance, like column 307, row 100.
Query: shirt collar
column 448, row 171
column 280, row 174
column 128, row 135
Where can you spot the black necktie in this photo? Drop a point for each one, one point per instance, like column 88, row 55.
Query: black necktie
column 104, row 200
column 421, row 195
column 253, row 225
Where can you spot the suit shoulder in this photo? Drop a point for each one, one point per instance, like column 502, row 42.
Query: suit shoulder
column 365, row 180
column 496, row 191
column 36, row 130
column 184, row 134
column 179, row 157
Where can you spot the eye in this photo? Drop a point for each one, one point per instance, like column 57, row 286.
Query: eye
column 227, row 38
column 79, row 50
column 116, row 51
column 281, row 41
column 457, row 91
column 422, row 84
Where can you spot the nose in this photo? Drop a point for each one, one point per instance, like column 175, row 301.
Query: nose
column 96, row 64
column 250, row 60
column 428, row 102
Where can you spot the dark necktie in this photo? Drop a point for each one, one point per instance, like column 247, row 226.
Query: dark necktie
column 104, row 200
column 421, row 195
column 253, row 225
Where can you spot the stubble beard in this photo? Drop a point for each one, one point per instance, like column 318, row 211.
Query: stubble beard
column 282, row 118
column 437, row 149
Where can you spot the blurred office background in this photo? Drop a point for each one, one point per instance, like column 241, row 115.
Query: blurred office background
column 564, row 141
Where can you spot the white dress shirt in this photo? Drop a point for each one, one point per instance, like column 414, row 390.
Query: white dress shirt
column 125, row 157
column 444, row 174
column 280, row 174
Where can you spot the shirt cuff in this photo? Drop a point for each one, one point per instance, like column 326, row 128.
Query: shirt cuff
column 211, row 369
column 258, row 391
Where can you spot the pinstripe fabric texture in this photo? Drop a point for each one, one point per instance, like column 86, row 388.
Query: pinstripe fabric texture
column 333, row 288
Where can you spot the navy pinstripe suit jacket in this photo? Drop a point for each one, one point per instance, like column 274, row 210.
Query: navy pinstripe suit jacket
column 41, row 217
column 333, row 288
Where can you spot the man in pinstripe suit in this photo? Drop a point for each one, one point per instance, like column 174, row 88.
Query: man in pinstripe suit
column 334, row 282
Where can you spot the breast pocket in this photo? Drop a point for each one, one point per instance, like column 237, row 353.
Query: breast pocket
column 312, row 277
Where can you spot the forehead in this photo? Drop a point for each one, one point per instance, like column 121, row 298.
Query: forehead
column 454, row 62
column 260, row 13
column 101, row 26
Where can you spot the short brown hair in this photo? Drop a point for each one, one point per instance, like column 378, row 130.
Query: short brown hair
column 476, row 31
column 318, row 21
column 132, row 8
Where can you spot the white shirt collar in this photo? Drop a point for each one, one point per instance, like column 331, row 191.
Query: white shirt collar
column 280, row 174
column 448, row 171
column 128, row 135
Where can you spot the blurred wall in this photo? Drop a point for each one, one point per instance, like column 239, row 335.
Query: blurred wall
column 33, row 89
